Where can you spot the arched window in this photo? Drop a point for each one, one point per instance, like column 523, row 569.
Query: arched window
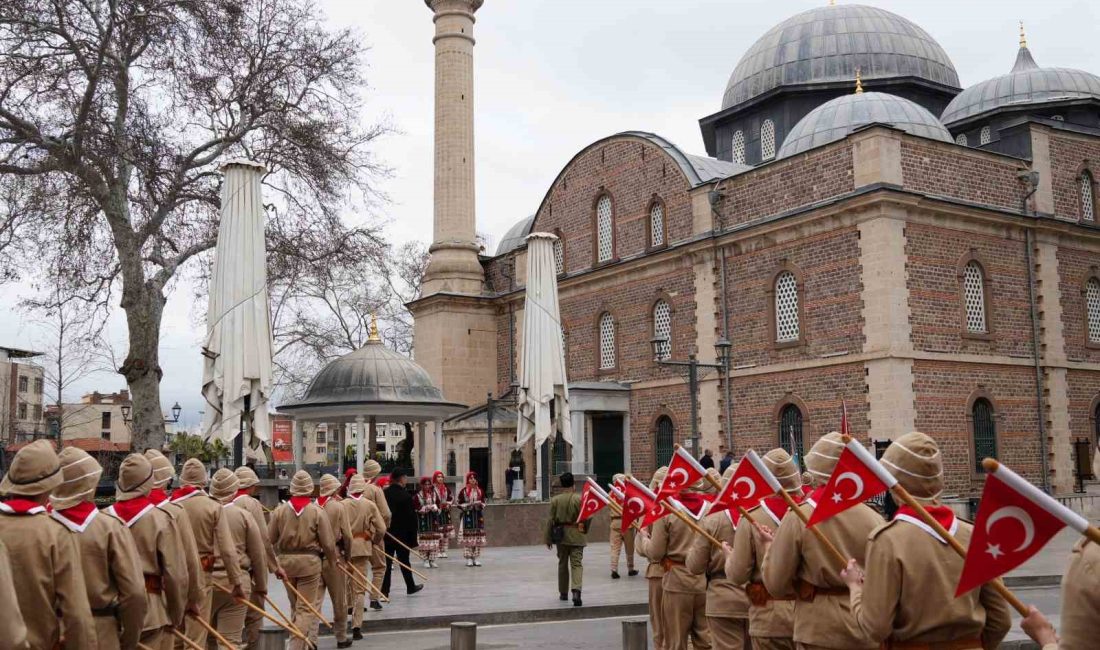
column 607, row 342
column 662, row 328
column 790, row 431
column 656, row 224
column 974, row 297
column 1092, row 306
column 1088, row 203
column 559, row 255
column 767, row 140
column 605, row 244
column 961, row 139
column 665, row 437
column 786, row 308
column 985, row 432
column 738, row 147
column 986, row 135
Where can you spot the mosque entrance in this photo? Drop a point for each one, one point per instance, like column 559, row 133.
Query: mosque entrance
column 607, row 446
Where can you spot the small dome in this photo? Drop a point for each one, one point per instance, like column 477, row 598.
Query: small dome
column 515, row 236
column 827, row 44
column 1027, row 84
column 835, row 119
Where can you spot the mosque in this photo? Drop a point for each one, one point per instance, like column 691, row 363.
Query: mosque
column 863, row 234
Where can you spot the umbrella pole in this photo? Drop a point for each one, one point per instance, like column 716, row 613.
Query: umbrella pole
column 238, row 442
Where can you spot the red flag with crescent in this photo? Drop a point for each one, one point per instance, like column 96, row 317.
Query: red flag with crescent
column 593, row 500
column 638, row 502
column 683, row 472
column 745, row 488
column 852, row 482
column 1015, row 521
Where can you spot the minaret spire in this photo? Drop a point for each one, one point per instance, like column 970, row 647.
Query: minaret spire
column 859, row 81
column 1023, row 36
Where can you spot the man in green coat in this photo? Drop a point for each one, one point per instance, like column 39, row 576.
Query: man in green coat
column 563, row 530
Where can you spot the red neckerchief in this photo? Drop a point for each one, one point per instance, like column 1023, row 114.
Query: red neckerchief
column 19, row 506
column 298, row 504
column 157, row 496
column 130, row 510
column 181, row 493
column 321, row 501
column 944, row 515
column 807, row 489
column 243, row 492
column 814, row 496
column 356, row 496
column 77, row 517
column 776, row 507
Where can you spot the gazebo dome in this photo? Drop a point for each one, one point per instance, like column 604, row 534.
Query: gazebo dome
column 827, row 44
column 835, row 119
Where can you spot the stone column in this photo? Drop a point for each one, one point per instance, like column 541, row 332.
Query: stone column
column 360, row 442
column 439, row 446
column 342, row 446
column 298, row 443
column 580, row 440
column 421, row 437
column 454, row 265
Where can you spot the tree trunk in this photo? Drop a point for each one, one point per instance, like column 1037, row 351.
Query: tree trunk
column 144, row 308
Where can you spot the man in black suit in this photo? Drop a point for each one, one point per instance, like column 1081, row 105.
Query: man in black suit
column 403, row 527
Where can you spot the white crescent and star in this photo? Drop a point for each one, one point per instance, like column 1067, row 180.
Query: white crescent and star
column 1020, row 515
column 749, row 482
column 640, row 506
column 855, row 479
column 679, row 471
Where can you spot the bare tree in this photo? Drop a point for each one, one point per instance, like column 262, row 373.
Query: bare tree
column 115, row 116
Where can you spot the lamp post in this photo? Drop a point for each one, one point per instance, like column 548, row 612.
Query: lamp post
column 661, row 353
column 176, row 409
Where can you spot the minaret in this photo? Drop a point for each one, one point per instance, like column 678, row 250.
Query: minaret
column 454, row 265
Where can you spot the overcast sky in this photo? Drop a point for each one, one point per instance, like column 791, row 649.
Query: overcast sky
column 554, row 75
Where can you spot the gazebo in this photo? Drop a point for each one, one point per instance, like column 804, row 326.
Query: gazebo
column 370, row 385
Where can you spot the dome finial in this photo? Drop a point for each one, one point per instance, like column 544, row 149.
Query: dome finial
column 1023, row 37
column 859, row 81
column 832, row 3
column 373, row 336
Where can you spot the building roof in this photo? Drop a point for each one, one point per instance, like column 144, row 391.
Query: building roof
column 835, row 119
column 1026, row 84
column 827, row 44
column 516, row 235
column 17, row 353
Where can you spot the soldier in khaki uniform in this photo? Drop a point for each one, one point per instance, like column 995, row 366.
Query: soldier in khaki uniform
column 771, row 617
column 654, row 575
column 1080, row 604
column 157, row 549
column 227, row 614
column 13, row 634
column 247, row 501
column 798, row 564
column 303, row 540
column 906, row 598
column 619, row 539
column 212, row 539
column 336, row 581
column 727, row 607
column 564, row 510
column 367, row 530
column 683, row 605
column 163, row 473
column 49, row 582
column 371, row 469
column 116, row 588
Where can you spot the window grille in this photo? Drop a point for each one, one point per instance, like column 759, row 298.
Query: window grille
column 1058, row 118
column 1088, row 206
column 604, row 232
column 607, row 341
column 985, row 432
column 666, row 434
column 559, row 256
column 739, row 147
column 786, row 308
column 790, row 431
column 656, row 224
column 662, row 328
column 1092, row 299
column 961, row 139
column 767, row 140
column 23, row 384
column 986, row 135
column 974, row 295
column 563, row 348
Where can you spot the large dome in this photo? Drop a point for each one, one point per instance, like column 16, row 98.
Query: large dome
column 835, row 119
column 827, row 44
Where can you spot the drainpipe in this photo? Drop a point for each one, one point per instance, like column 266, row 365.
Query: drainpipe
column 1032, row 178
column 713, row 197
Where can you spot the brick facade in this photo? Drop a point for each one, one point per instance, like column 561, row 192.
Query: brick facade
column 1070, row 155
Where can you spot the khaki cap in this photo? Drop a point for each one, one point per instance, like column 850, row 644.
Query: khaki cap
column 194, row 473
column 823, row 456
column 80, row 474
column 371, row 468
column 247, row 477
column 658, row 476
column 780, row 463
column 34, row 470
column 163, row 472
column 224, row 485
column 329, row 485
column 135, row 478
column 914, row 460
column 302, row 484
column 357, row 485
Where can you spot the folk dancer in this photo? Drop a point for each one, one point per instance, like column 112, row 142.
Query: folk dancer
column 428, row 524
column 446, row 501
column 374, row 494
column 163, row 473
column 336, row 580
column 227, row 614
column 247, row 501
column 213, row 539
column 49, row 584
column 116, row 588
column 771, row 617
column 471, row 500
column 620, row 539
column 303, row 541
column 906, row 597
column 158, row 552
column 1080, row 604
column 401, row 532
column 563, row 531
column 368, row 529
column 797, row 564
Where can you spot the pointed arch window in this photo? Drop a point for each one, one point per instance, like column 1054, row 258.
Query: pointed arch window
column 790, row 431
column 665, row 438
column 1092, row 306
column 767, row 140
column 607, row 342
column 1088, row 199
column 961, row 139
column 786, row 308
column 985, row 432
column 738, row 147
column 605, row 243
column 559, row 254
column 656, row 224
column 662, row 328
column 986, row 135
column 975, row 299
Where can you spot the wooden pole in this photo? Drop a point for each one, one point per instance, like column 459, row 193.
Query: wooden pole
column 374, row 590
column 278, row 611
column 619, row 511
column 142, row 646
column 365, row 584
column 187, row 642
column 405, row 566
column 694, row 526
column 403, row 544
column 841, row 560
column 998, row 584
column 309, row 605
column 214, row 633
column 259, row 610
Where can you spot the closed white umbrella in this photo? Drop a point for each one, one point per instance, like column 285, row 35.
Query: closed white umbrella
column 542, row 360
column 238, row 349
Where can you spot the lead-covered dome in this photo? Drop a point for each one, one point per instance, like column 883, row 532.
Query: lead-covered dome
column 827, row 44
column 835, row 119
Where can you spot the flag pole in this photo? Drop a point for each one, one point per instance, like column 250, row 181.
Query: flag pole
column 1043, row 500
column 692, row 525
column 619, row 511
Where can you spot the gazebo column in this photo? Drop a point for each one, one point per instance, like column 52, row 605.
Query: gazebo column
column 360, row 442
column 421, row 458
column 296, row 440
column 342, row 450
column 439, row 446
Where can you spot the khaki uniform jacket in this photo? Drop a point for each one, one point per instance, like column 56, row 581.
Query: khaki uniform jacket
column 745, row 565
column 338, row 521
column 724, row 599
column 564, row 509
column 253, row 506
column 189, row 553
column 797, row 555
column 112, row 572
column 1081, row 599
column 669, row 543
column 158, row 551
column 212, row 536
column 908, row 592
column 366, row 524
column 641, row 546
column 378, row 497
column 301, row 541
column 49, row 579
column 13, row 633
column 249, row 547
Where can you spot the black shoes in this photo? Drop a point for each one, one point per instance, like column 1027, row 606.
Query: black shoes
column 415, row 588
column 374, row 604
column 343, row 644
column 614, row 575
column 356, row 634
column 564, row 596
column 632, row 573
column 349, row 611
column 576, row 598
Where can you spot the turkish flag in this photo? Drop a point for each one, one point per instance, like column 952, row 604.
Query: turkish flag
column 1010, row 528
column 638, row 501
column 683, row 472
column 593, row 500
column 851, row 483
column 746, row 487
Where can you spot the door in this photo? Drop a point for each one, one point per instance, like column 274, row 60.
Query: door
column 479, row 463
column 607, row 447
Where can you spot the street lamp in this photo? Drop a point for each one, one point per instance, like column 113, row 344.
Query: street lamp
column 661, row 353
column 176, row 410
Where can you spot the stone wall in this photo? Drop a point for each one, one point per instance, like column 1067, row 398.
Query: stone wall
column 942, row 169
column 524, row 524
column 1075, row 267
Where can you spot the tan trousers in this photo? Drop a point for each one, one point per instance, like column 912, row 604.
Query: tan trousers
column 253, row 621
column 656, row 616
column 158, row 639
column 377, row 566
column 312, row 588
column 729, row 633
column 358, row 594
column 107, row 630
column 227, row 615
column 772, row 643
column 617, row 542
column 685, row 618
column 194, row 631
column 335, row 583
